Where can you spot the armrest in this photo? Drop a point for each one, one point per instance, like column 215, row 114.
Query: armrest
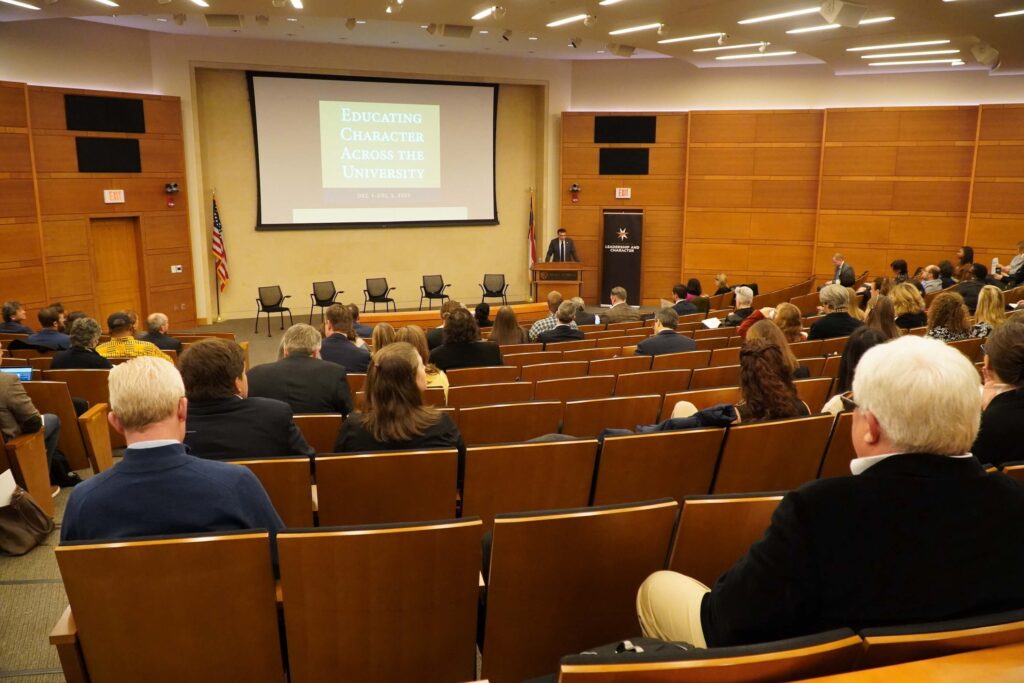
column 64, row 631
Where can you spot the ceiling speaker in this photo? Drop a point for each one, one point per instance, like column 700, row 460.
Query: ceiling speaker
column 842, row 12
column 986, row 54
column 621, row 50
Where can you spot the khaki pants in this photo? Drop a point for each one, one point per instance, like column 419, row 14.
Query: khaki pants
column 668, row 606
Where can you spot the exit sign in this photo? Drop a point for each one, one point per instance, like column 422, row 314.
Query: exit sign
column 623, row 192
column 113, row 196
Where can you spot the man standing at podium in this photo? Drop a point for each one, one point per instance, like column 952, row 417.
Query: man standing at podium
column 562, row 248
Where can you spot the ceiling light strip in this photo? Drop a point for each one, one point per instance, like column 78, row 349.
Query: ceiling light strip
column 781, row 15
column 567, row 20
column 297, row 4
column 634, row 29
column 756, row 55
column 23, row 5
column 688, row 38
column 955, row 62
column 829, row 27
column 729, row 47
column 1011, row 13
column 483, row 14
column 892, row 46
column 920, row 53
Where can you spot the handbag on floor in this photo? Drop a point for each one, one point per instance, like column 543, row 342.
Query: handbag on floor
column 23, row 524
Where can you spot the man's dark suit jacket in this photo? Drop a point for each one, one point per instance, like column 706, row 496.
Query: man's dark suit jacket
column 570, row 251
column 845, row 275
column 79, row 358
column 999, row 439
column 162, row 341
column 338, row 349
column 466, row 355
column 969, row 291
column 435, row 338
column 584, row 318
column 914, row 538
column 684, row 307
column 666, row 341
column 14, row 327
column 50, row 339
column 243, row 428
column 363, row 330
column 560, row 333
column 737, row 317
column 307, row 384
column 833, row 325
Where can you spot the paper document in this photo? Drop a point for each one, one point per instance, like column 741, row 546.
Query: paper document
column 7, row 487
column 712, row 323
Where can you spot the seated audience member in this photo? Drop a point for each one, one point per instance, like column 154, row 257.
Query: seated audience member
column 435, row 336
column 462, row 347
column 965, row 256
column 340, row 342
column 744, row 298
column 582, row 317
column 837, row 322
column 482, row 313
column 766, row 384
column 1010, row 276
column 158, row 488
column 946, row 274
column 900, row 272
column 360, row 329
column 1002, row 398
column 722, row 284
column 620, row 312
column 551, row 321
column 991, row 312
column 908, row 304
column 975, row 277
column 59, row 307
column 786, row 316
column 682, row 305
column 882, row 317
column 393, row 416
column 300, row 378
column 861, row 339
column 14, row 315
column 383, row 334
column 49, row 335
column 564, row 330
column 223, row 423
column 770, row 332
column 85, row 334
column 947, row 318
column 156, row 333
column 854, row 309
column 506, row 328
column 413, row 334
column 693, row 289
column 665, row 338
column 931, row 279
column 122, row 344
column 19, row 416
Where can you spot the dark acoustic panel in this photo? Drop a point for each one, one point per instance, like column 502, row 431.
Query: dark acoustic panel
column 614, row 129
column 105, row 114
column 108, row 155
column 625, row 161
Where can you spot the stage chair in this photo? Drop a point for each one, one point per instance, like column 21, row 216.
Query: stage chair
column 652, row 382
column 727, row 356
column 25, row 456
column 663, row 465
column 381, row 603
column 271, row 300
column 432, row 289
column 319, row 431
column 620, row 341
column 520, row 348
column 571, row 345
column 807, row 349
column 93, row 427
column 772, row 456
column 491, row 374
column 521, row 359
column 588, row 418
column 618, row 366
column 54, row 397
column 488, row 394
column 574, row 388
column 686, row 360
column 591, row 354
column 555, row 370
column 523, row 477
column 287, row 483
column 701, row 399
column 324, row 294
column 712, row 343
column 721, row 376
column 559, row 582
column 716, row 531
column 385, row 487
column 840, row 452
column 814, row 391
column 494, row 287
column 378, row 292
column 170, row 609
column 509, row 423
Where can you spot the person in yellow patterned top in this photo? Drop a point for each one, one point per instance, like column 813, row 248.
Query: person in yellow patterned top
column 122, row 344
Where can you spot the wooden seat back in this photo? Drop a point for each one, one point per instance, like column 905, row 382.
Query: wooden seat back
column 25, row 456
column 772, row 456
column 721, row 376
column 320, row 431
column 712, row 343
column 41, row 363
column 574, row 388
column 571, row 345
column 596, row 327
column 54, row 397
column 618, row 366
column 556, row 586
column 520, row 359
column 483, row 394
column 356, row 381
column 807, row 349
column 508, row 423
column 142, row 613
column 287, row 483
column 839, row 453
column 1015, row 470
column 604, row 334
column 382, row 603
column 687, row 360
column 521, row 348
column 591, row 354
column 807, row 303
column 831, row 367
column 527, row 476
column 727, row 356
column 434, row 396
column 541, row 371
column 490, row 374
column 645, row 331
column 814, row 392
column 392, row 486
column 702, row 398
column 588, row 418
column 93, row 426
column 718, row 332
column 917, row 331
column 834, row 345
column 652, row 382
column 815, row 366
column 662, row 465
column 622, row 326
column 625, row 340
column 90, row 385
column 970, row 348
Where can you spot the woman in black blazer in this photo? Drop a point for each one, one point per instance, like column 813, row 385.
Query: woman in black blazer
column 84, row 333
column 461, row 347
column 999, row 439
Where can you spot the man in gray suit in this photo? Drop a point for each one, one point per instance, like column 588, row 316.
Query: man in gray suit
column 665, row 338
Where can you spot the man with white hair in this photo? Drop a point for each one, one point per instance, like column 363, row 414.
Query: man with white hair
column 743, row 307
column 157, row 325
column 920, row 532
column 158, row 488
column 837, row 322
column 301, row 379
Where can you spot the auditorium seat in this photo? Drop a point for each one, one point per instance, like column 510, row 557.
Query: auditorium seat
column 25, row 456
column 772, row 456
column 971, row 348
column 652, row 382
column 645, row 331
column 521, row 359
column 356, row 381
column 621, row 326
column 286, row 481
column 509, row 423
column 40, row 364
column 541, row 371
column 483, row 394
column 596, row 327
column 831, row 367
column 592, row 354
column 815, row 366
column 917, row 331
column 381, row 603
column 807, row 349
column 715, row 333
column 716, row 531
column 618, row 366
column 558, row 582
column 807, row 303
column 687, row 360
column 702, row 398
column 435, row 396
column 384, row 487
column 92, row 425
column 625, row 340
column 574, row 388
column 712, row 343
column 320, row 431
column 571, row 345
column 839, row 453
column 139, row 610
column 726, row 356
column 661, row 465
column 721, row 376
column 90, row 385
column 814, row 392
column 691, row 318
column 54, row 397
column 604, row 334
column 588, row 418
column 834, row 345
column 1015, row 470
column 520, row 348
column 527, row 476
column 490, row 374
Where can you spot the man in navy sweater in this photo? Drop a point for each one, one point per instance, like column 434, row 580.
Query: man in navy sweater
column 158, row 488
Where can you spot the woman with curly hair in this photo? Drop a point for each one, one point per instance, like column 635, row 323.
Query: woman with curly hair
column 770, row 332
column 766, row 384
column 908, row 304
column 947, row 318
column 461, row 346
column 990, row 312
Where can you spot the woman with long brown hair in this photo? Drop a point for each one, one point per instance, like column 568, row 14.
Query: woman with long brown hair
column 506, row 328
column 882, row 317
column 414, row 334
column 772, row 333
column 947, row 318
column 383, row 334
column 766, row 384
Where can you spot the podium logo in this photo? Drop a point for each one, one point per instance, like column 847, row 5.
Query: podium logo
column 623, row 235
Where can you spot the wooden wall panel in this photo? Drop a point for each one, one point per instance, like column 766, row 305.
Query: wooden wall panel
column 24, row 284
column 158, row 269
column 67, row 279
column 14, row 153
column 66, row 238
column 47, row 109
column 12, row 105
column 16, row 198
column 996, row 222
column 20, row 244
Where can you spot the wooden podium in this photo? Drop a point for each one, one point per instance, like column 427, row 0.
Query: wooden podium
column 565, row 277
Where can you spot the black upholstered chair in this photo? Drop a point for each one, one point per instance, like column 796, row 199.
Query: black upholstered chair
column 494, row 287
column 378, row 292
column 432, row 288
column 271, row 300
column 324, row 294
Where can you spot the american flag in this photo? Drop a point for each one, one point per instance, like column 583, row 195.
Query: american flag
column 220, row 254
column 530, row 236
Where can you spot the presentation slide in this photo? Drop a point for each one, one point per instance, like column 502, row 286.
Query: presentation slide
column 352, row 152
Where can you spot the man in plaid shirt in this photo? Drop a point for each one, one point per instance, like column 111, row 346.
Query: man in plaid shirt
column 550, row 322
column 122, row 344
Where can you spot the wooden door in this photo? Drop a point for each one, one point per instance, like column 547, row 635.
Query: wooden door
column 115, row 265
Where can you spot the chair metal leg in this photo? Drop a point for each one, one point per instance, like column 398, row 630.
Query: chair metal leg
column 311, row 314
column 291, row 320
column 268, row 323
column 256, row 331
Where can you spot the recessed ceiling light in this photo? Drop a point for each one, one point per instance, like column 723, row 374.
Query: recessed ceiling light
column 424, row 25
column 23, row 5
column 1011, row 13
column 567, row 20
column 729, row 47
column 781, row 15
column 533, row 38
column 161, row 19
column 292, row 19
column 953, row 62
column 865, row 48
column 108, row 3
column 634, row 29
column 360, row 21
column 201, row 3
column 483, row 33
column 755, row 55
column 686, row 38
column 483, row 14
column 922, row 53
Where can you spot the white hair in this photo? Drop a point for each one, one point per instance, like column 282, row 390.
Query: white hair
column 144, row 391
column 744, row 296
column 834, row 297
column 924, row 394
column 301, row 339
